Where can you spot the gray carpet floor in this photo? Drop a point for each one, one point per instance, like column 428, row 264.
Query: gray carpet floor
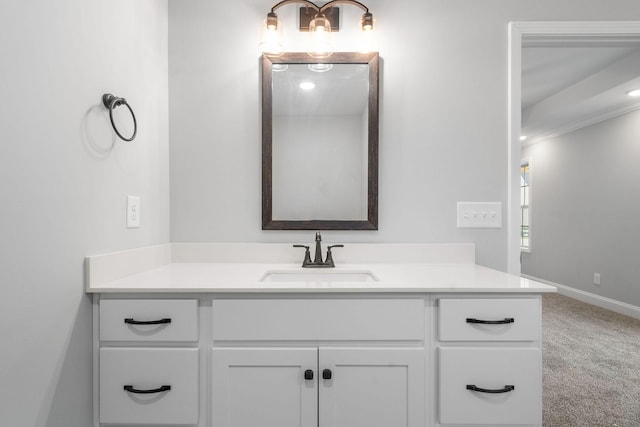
column 591, row 363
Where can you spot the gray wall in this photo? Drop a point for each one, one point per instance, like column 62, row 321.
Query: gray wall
column 64, row 178
column 443, row 129
column 64, row 181
column 585, row 207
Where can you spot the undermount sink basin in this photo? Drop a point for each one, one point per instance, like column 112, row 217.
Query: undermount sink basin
column 319, row 276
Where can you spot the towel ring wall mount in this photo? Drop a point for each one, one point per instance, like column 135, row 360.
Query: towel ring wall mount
column 111, row 102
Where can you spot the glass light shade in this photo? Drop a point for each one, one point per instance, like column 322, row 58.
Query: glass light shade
column 368, row 41
column 320, row 37
column 367, row 22
column 271, row 40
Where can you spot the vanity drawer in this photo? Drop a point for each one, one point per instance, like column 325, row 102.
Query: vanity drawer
column 489, row 319
column 490, row 369
column 318, row 319
column 148, row 320
column 147, row 369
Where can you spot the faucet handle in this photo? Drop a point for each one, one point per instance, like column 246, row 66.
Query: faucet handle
column 307, row 254
column 329, row 261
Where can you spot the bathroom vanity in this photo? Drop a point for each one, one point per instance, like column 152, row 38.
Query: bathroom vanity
column 222, row 335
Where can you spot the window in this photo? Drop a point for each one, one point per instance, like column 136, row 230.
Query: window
column 525, row 201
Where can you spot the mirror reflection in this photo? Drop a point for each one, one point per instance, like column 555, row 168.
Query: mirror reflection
column 320, row 142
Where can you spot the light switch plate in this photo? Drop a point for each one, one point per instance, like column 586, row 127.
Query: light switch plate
column 479, row 214
column 133, row 212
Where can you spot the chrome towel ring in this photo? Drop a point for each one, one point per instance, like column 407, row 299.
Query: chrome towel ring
column 111, row 102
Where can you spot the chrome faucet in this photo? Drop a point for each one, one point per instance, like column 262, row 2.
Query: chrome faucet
column 317, row 260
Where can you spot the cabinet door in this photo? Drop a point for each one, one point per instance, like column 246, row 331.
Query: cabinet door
column 373, row 387
column 264, row 387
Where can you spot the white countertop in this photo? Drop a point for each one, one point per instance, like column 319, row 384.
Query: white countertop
column 242, row 278
column 135, row 273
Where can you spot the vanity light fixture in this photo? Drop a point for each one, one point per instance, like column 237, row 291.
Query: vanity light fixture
column 319, row 21
column 634, row 93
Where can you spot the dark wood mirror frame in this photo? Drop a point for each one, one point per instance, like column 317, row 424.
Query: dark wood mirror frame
column 371, row 223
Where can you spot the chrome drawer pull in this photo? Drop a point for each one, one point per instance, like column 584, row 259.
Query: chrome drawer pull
column 506, row 389
column 161, row 389
column 491, row 322
column 131, row 321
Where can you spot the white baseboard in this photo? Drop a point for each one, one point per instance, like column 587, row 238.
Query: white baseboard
column 588, row 297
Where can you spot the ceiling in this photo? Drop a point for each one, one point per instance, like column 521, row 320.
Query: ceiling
column 569, row 83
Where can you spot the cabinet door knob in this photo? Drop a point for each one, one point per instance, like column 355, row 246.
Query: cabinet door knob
column 308, row 374
column 326, row 374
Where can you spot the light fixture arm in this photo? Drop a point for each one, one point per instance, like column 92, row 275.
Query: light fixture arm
column 367, row 17
column 306, row 2
column 352, row 2
column 320, row 9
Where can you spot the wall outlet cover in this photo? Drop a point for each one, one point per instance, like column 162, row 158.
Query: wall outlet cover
column 133, row 212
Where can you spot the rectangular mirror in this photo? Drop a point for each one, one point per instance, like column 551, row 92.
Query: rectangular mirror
column 320, row 142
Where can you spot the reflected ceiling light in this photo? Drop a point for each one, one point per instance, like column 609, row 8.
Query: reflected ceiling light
column 635, row 92
column 523, row 137
column 307, row 85
column 319, row 21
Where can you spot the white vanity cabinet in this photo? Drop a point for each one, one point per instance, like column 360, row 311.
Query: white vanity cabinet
column 417, row 335
column 318, row 362
column 148, row 362
column 489, row 361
